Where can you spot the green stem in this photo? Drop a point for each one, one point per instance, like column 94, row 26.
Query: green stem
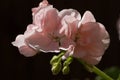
column 101, row 73
column 96, row 70
column 61, row 54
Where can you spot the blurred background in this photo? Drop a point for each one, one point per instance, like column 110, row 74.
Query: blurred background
column 15, row 15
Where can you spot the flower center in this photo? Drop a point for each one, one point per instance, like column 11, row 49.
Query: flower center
column 77, row 37
column 56, row 38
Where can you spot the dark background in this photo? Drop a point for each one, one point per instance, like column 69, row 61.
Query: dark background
column 15, row 15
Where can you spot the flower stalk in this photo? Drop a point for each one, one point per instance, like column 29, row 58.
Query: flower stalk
column 96, row 70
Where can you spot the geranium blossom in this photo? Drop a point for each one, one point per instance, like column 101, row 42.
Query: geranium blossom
column 91, row 40
column 42, row 35
column 46, row 33
column 52, row 31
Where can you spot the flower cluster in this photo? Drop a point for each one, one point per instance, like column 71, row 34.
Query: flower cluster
column 53, row 31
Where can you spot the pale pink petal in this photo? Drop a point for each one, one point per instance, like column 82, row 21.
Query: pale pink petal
column 104, row 35
column 91, row 60
column 23, row 47
column 43, row 42
column 42, row 4
column 38, row 17
column 69, row 29
column 19, row 41
column 83, row 54
column 51, row 21
column 79, row 51
column 65, row 43
column 27, row 51
column 47, row 18
column 70, row 12
column 69, row 25
column 87, row 17
column 43, row 34
column 32, row 29
column 91, row 39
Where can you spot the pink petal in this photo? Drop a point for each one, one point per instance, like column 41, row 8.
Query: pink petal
column 69, row 25
column 51, row 21
column 42, row 4
column 104, row 35
column 47, row 18
column 43, row 42
column 70, row 12
column 79, row 51
column 87, row 17
column 23, row 47
column 65, row 43
column 91, row 60
column 91, row 39
column 27, row 51
column 19, row 41
column 32, row 29
column 42, row 34
column 69, row 30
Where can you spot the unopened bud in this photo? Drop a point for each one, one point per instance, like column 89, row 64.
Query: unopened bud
column 54, row 60
column 56, row 68
column 68, row 61
column 65, row 70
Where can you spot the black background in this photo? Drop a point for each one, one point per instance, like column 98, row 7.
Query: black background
column 15, row 15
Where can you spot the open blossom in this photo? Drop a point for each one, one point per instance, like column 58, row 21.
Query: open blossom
column 42, row 35
column 46, row 33
column 45, row 28
column 52, row 30
column 91, row 40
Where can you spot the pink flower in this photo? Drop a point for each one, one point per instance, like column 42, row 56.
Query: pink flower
column 52, row 30
column 43, row 34
column 47, row 32
column 91, row 40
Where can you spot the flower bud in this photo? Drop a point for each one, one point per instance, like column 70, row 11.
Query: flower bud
column 54, row 60
column 68, row 61
column 65, row 70
column 56, row 67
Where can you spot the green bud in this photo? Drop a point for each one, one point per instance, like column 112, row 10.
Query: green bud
column 56, row 68
column 54, row 60
column 65, row 70
column 68, row 61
